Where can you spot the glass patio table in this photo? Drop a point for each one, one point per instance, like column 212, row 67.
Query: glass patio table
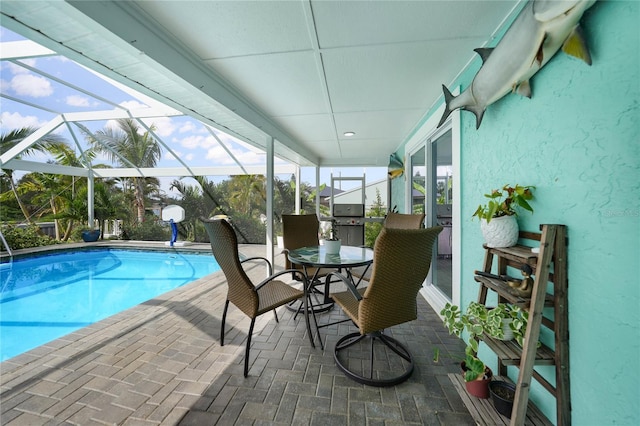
column 317, row 257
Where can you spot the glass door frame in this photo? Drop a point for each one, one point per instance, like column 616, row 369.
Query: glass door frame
column 429, row 291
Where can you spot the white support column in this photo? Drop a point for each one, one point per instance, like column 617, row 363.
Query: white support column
column 298, row 185
column 270, row 177
column 318, row 191
column 90, row 198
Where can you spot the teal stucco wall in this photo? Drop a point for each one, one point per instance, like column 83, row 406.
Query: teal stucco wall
column 578, row 141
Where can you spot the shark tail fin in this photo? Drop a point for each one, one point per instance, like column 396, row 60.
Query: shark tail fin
column 448, row 97
column 575, row 45
column 479, row 113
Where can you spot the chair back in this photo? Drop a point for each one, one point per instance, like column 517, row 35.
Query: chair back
column 224, row 245
column 402, row 259
column 299, row 231
column 404, row 221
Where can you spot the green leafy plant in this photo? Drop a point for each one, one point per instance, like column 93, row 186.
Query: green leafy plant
column 480, row 320
column 514, row 198
column 474, row 368
column 330, row 233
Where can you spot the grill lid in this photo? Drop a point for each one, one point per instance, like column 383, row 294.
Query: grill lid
column 348, row 210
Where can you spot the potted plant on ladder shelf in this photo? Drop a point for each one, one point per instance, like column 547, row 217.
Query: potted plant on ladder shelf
column 498, row 217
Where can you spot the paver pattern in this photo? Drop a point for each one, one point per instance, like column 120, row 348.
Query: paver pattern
column 161, row 363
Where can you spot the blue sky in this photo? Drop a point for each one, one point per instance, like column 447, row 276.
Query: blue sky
column 189, row 138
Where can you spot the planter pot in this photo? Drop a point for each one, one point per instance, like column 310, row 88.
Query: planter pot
column 500, row 232
column 90, row 236
column 502, row 394
column 332, row 247
column 506, row 330
column 480, row 387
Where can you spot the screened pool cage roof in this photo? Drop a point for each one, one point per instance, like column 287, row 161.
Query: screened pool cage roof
column 48, row 91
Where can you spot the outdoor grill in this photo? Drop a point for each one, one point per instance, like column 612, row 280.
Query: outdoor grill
column 350, row 223
column 444, row 219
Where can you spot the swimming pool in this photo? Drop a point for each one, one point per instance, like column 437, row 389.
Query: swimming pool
column 45, row 297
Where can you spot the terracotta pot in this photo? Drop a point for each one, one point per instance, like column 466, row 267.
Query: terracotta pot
column 479, row 387
column 500, row 232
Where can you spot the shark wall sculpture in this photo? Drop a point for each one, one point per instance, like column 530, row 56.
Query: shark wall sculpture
column 541, row 28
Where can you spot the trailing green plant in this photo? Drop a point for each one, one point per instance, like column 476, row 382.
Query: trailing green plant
column 473, row 367
column 480, row 320
column 514, row 198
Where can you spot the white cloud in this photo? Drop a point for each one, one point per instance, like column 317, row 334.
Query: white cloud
column 187, row 127
column 170, row 157
column 79, row 101
column 14, row 120
column 130, row 105
column 198, row 141
column 5, row 85
column 220, row 157
column 164, row 125
column 31, row 85
column 17, row 69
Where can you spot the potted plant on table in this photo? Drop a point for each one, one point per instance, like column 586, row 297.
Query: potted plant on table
column 498, row 217
column 330, row 238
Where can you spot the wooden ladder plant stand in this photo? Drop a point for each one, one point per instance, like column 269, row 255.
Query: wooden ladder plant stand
column 549, row 266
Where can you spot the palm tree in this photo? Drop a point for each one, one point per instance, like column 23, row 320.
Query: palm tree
column 44, row 144
column 248, row 193
column 127, row 147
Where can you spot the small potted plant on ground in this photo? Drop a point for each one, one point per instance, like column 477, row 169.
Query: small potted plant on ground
column 503, row 322
column 498, row 217
column 330, row 236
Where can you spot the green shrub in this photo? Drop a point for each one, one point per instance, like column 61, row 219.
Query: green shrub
column 148, row 231
column 21, row 238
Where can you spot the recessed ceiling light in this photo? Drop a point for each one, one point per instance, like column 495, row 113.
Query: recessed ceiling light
column 349, row 134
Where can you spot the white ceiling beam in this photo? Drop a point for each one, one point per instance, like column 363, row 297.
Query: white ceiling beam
column 24, row 49
column 55, row 169
column 197, row 171
column 115, row 114
column 34, row 166
column 31, row 139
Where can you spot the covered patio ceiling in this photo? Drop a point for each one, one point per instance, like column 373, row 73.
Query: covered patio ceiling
column 301, row 72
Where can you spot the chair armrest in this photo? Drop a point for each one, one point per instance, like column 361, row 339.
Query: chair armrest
column 352, row 288
column 269, row 267
column 277, row 274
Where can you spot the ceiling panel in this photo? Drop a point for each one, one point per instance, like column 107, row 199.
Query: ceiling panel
column 233, row 28
column 300, row 71
column 280, row 84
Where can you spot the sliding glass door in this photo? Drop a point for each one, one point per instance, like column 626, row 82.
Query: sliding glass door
column 440, row 204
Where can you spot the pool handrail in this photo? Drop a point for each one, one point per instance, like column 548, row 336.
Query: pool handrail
column 6, row 246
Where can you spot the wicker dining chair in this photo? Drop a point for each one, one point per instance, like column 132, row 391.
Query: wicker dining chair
column 253, row 300
column 396, row 221
column 402, row 259
column 302, row 231
column 404, row 221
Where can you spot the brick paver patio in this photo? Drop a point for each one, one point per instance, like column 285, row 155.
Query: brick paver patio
column 160, row 363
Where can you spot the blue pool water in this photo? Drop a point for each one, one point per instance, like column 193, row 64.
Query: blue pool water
column 43, row 298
